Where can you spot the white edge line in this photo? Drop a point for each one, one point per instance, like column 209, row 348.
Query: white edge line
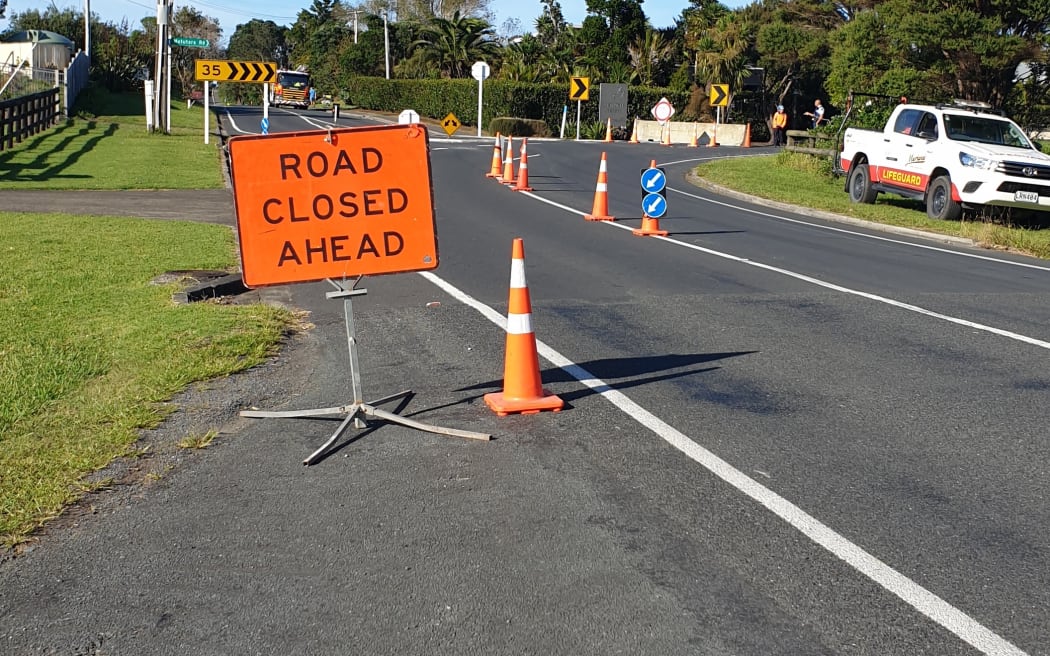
column 940, row 611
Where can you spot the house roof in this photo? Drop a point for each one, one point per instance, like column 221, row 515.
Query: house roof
column 45, row 37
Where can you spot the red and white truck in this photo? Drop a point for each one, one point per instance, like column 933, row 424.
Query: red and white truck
column 950, row 156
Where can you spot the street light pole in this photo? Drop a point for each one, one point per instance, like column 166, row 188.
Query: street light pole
column 386, row 40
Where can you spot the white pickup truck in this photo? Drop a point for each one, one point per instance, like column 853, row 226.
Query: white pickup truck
column 950, row 157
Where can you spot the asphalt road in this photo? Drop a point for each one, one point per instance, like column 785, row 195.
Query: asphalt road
column 784, row 435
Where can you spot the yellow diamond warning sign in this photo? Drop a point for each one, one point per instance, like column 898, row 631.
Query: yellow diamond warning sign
column 450, row 123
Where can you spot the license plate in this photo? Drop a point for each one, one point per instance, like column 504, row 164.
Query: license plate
column 1027, row 197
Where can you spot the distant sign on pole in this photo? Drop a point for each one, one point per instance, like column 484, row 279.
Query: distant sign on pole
column 235, row 71
column 189, row 42
column 662, row 111
column 333, row 203
column 480, row 71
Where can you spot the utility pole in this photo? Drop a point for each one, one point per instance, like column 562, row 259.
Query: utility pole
column 87, row 28
column 355, row 12
column 161, row 101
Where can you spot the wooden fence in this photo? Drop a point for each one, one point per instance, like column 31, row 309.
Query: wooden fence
column 28, row 115
column 804, row 141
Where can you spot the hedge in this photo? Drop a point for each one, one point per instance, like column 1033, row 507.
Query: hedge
column 501, row 98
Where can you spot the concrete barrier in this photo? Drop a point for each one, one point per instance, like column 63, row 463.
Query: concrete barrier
column 728, row 134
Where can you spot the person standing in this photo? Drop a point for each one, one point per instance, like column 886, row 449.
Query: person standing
column 780, row 122
column 817, row 114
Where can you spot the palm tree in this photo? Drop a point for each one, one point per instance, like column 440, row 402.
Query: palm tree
column 721, row 52
column 648, row 52
column 454, row 44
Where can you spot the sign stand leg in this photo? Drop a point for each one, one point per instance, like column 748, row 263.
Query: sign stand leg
column 358, row 410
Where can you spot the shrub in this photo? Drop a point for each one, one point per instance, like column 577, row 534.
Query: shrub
column 519, row 127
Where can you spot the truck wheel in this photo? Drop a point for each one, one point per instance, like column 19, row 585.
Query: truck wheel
column 860, row 190
column 939, row 202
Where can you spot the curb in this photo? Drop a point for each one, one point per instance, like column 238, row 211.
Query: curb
column 697, row 181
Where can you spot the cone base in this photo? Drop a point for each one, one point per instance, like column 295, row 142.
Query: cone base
column 503, row 406
column 646, row 232
column 518, row 188
column 595, row 217
column 492, row 175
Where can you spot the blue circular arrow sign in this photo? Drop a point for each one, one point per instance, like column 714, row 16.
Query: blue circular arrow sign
column 654, row 205
column 264, row 125
column 653, row 181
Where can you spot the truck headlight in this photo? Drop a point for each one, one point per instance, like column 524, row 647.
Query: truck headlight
column 966, row 159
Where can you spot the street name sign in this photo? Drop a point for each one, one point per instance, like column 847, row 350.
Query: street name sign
column 235, row 71
column 333, row 204
column 189, row 42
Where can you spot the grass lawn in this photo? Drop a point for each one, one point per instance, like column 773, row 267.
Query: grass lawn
column 90, row 350
column 806, row 181
column 106, row 146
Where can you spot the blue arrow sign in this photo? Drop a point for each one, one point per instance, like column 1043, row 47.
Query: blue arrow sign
column 653, row 181
column 654, row 205
column 264, row 125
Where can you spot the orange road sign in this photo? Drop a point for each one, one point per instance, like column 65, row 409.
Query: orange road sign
column 333, row 204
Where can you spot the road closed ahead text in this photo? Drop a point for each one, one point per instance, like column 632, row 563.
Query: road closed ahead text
column 316, row 205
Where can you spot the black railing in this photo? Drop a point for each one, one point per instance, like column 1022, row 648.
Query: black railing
column 23, row 117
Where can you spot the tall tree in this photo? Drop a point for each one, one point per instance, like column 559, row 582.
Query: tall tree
column 609, row 30
column 259, row 40
column 454, row 44
column 189, row 22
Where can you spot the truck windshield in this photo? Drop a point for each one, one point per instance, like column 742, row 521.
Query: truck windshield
column 293, row 80
column 984, row 129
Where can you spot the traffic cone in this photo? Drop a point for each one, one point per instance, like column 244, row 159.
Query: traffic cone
column 650, row 225
column 600, row 209
column 523, row 168
column 713, row 141
column 522, row 387
column 666, row 129
column 508, row 163
column 497, row 159
column 634, row 132
column 608, row 130
column 692, row 141
column 747, row 136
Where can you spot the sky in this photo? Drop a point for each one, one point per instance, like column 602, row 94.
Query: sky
column 230, row 13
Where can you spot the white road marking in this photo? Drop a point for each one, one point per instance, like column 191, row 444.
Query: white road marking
column 940, row 611
column 828, row 285
column 229, row 117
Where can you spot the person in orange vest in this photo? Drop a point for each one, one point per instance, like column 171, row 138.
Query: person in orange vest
column 780, row 123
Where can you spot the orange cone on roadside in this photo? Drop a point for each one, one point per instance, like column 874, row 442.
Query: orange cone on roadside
column 608, row 130
column 497, row 159
column 634, row 133
column 600, row 208
column 522, row 387
column 692, row 141
column 747, row 136
column 508, row 163
column 523, row 168
column 714, row 138
column 650, row 225
column 667, row 134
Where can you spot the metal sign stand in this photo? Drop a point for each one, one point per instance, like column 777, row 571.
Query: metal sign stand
column 358, row 409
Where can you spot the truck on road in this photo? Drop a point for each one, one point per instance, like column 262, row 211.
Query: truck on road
column 950, row 156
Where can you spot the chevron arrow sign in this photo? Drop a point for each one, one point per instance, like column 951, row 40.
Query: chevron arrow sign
column 235, row 71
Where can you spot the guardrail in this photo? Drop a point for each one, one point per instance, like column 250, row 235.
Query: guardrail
column 28, row 115
column 804, row 141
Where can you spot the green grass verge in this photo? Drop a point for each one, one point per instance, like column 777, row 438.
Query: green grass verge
column 90, row 350
column 807, row 181
column 106, row 146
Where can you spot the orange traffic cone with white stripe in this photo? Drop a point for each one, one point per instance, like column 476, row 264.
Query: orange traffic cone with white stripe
column 497, row 159
column 600, row 208
column 713, row 141
column 608, row 130
column 522, row 387
column 523, row 168
column 692, row 141
column 650, row 225
column 747, row 136
column 634, row 133
column 508, row 163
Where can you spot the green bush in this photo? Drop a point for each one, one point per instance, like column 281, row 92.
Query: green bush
column 502, row 98
column 519, row 127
